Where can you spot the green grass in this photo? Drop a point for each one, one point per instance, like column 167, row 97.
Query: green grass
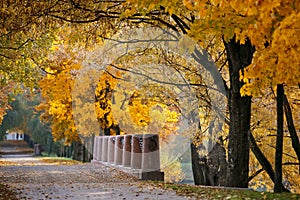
column 45, row 154
column 223, row 193
column 59, row 161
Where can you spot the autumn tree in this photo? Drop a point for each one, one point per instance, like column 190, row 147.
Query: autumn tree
column 104, row 99
column 56, row 90
column 271, row 67
column 238, row 24
column 240, row 27
column 263, row 141
column 75, row 12
column 23, row 44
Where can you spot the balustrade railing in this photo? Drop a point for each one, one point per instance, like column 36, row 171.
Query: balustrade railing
column 137, row 154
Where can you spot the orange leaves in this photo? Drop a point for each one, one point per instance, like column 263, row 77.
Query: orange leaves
column 280, row 61
column 5, row 90
column 255, row 20
column 273, row 28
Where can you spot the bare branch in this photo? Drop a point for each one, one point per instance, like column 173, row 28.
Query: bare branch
column 255, row 174
column 17, row 48
column 283, row 152
column 5, row 56
column 291, row 163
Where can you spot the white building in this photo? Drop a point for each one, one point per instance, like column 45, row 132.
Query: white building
column 14, row 136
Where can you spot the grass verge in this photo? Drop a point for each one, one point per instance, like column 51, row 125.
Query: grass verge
column 202, row 192
column 59, row 161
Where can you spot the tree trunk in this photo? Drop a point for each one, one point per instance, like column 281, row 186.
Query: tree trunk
column 279, row 140
column 262, row 159
column 199, row 167
column 50, row 147
column 291, row 127
column 78, row 151
column 239, row 57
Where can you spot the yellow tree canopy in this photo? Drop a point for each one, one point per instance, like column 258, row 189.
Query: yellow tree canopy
column 57, row 88
column 271, row 26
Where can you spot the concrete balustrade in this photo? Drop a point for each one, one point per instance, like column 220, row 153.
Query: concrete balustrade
column 99, row 147
column 150, row 159
column 127, row 151
column 96, row 148
column 111, row 149
column 137, row 154
column 104, row 149
column 119, row 149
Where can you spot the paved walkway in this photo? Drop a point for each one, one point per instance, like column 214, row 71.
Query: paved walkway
column 34, row 179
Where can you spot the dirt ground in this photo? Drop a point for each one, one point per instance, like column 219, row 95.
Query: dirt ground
column 33, row 178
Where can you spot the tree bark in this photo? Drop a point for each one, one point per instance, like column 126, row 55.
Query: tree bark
column 200, row 171
column 279, row 140
column 239, row 57
column 78, row 151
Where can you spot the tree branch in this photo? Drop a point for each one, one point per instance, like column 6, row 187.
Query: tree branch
column 291, row 163
column 182, row 25
column 262, row 158
column 255, row 174
column 5, row 56
column 17, row 48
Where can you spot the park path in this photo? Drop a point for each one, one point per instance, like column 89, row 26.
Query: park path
column 32, row 178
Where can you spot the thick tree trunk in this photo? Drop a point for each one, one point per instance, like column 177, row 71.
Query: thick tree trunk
column 279, row 140
column 199, row 167
column 217, row 165
column 239, row 57
column 78, row 151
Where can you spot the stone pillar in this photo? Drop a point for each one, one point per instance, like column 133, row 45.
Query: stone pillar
column 136, row 151
column 126, row 160
column 95, row 150
column 150, row 149
column 99, row 148
column 119, row 149
column 111, row 149
column 104, row 148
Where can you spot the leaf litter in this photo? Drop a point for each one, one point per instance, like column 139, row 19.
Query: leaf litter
column 56, row 178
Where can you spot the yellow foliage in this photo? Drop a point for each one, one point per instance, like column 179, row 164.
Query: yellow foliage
column 57, row 93
column 263, row 123
column 104, row 95
column 5, row 90
column 173, row 172
column 153, row 114
column 117, row 105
